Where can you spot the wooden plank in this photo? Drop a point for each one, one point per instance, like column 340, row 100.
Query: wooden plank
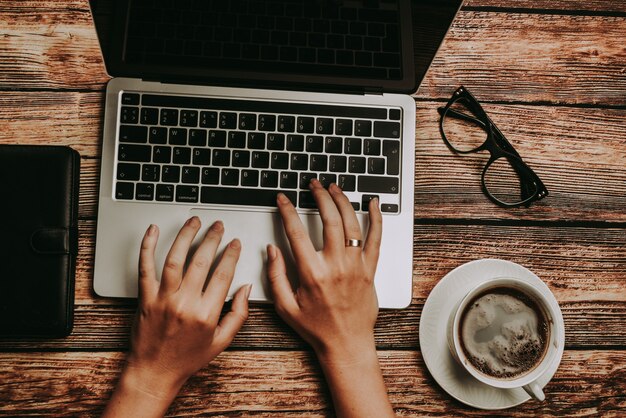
column 579, row 153
column 598, row 6
column 532, row 58
column 290, row 384
column 581, row 57
column 584, row 268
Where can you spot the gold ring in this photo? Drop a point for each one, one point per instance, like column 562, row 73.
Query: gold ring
column 353, row 243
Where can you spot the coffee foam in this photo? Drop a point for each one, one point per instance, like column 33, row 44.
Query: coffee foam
column 502, row 336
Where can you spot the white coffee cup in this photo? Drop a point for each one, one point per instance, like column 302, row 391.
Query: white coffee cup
column 526, row 380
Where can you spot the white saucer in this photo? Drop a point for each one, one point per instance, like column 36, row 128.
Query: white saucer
column 433, row 340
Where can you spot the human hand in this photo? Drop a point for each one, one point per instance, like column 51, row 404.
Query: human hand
column 177, row 330
column 335, row 306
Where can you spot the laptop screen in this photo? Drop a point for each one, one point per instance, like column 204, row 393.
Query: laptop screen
column 365, row 45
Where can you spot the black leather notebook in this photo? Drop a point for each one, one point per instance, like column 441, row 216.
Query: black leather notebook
column 38, row 239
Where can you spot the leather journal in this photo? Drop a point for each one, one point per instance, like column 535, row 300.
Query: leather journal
column 38, row 239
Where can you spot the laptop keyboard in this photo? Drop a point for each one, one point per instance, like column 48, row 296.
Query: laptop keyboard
column 214, row 151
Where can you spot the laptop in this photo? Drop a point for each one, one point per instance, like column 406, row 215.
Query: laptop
column 216, row 106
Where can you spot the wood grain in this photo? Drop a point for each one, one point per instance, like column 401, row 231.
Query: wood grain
column 289, row 384
column 543, row 6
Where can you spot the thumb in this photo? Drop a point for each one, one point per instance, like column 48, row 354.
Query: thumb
column 284, row 299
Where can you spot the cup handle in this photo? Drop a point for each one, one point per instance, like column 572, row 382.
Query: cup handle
column 534, row 390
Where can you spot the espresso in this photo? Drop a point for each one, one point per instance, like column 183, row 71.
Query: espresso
column 504, row 333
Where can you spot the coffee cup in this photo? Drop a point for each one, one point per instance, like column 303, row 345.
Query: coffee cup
column 504, row 333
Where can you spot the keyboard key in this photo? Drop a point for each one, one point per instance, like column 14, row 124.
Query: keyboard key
column 363, row 128
column 324, row 126
column 208, row 119
column 356, row 206
column 150, row 172
column 378, row 184
column 243, row 196
column 319, row 162
column 247, row 121
column 130, row 98
column 170, row 174
column 181, row 155
column 187, row 194
column 333, row 145
column 356, row 164
column 197, row 137
column 391, row 150
column 347, row 182
column 144, row 191
column 305, row 179
column 128, row 171
column 365, row 201
column 228, row 120
column 149, row 116
column 389, row 207
column 267, row 122
column 129, row 114
column 133, row 134
column 280, row 160
column 376, row 165
column 137, row 153
column 386, row 129
column 241, row 158
column 221, row 157
column 395, row 114
column 162, row 154
column 124, row 190
column 178, row 136
column 286, row 123
column 191, row 175
column 169, row 117
column 295, row 143
column 217, row 138
column 165, row 193
column 189, row 118
column 326, row 179
column 305, row 125
column 353, row 146
column 210, row 175
column 306, row 200
column 236, row 139
column 269, row 178
column 299, row 161
column 276, row 142
column 249, row 178
column 230, row 177
column 260, row 159
column 158, row 135
column 256, row 140
column 371, row 146
column 314, row 143
column 288, row 180
column 337, row 163
column 343, row 127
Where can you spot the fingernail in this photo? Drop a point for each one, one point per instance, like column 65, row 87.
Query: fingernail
column 235, row 244
column 248, row 290
column 271, row 252
column 334, row 188
column 315, row 183
column 193, row 221
column 282, row 198
column 217, row 226
column 151, row 229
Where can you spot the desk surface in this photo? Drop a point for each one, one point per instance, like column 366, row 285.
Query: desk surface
column 552, row 76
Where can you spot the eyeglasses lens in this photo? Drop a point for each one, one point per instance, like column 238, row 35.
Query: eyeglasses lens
column 504, row 182
column 462, row 128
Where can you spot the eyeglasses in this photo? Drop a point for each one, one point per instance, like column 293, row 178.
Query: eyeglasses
column 506, row 179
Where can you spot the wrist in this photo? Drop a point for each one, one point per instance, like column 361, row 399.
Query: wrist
column 357, row 352
column 157, row 386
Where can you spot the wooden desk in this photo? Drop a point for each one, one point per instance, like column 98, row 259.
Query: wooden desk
column 551, row 74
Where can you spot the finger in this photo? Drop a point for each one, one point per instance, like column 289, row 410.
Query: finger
column 298, row 237
column 351, row 227
column 284, row 298
column 232, row 322
column 371, row 249
column 148, row 280
column 334, row 240
column 198, row 268
column 175, row 260
column 222, row 277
